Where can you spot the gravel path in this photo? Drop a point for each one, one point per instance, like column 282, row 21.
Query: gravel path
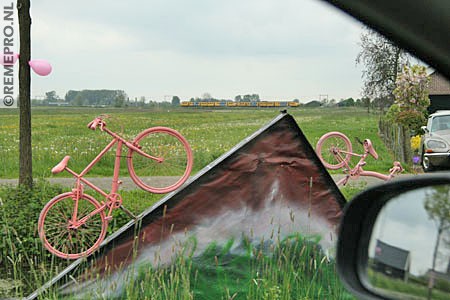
column 128, row 184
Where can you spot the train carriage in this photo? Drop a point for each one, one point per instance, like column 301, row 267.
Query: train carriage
column 262, row 104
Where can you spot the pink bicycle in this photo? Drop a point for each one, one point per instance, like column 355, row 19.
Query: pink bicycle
column 335, row 151
column 74, row 224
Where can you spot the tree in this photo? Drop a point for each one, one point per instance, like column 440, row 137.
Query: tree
column 175, row 101
column 346, row 102
column 382, row 103
column 141, row 102
column 437, row 205
column 313, row 103
column 411, row 97
column 366, row 103
column 25, row 150
column 78, row 101
column 119, row 100
column 382, row 60
column 254, row 98
column 247, row 98
column 206, row 97
column 94, row 97
column 50, row 97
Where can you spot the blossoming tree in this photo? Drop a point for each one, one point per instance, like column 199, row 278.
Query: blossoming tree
column 411, row 97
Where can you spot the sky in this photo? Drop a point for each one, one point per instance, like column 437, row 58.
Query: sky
column 405, row 223
column 279, row 49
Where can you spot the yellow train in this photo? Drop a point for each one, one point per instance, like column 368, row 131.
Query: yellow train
column 239, row 104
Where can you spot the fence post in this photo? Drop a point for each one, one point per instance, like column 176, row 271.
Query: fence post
column 407, row 153
column 397, row 139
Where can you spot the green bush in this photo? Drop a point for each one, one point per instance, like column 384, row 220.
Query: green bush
column 19, row 212
column 392, row 113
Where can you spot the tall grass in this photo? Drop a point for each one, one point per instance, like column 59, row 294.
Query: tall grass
column 292, row 268
column 23, row 263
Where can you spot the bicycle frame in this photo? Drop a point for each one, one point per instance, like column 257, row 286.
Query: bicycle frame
column 357, row 171
column 111, row 199
column 78, row 209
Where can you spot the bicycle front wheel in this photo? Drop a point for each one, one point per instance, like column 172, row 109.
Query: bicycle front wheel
column 334, row 150
column 172, row 164
column 57, row 234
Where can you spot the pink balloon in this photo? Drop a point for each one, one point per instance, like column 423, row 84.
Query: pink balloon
column 40, row 66
column 8, row 59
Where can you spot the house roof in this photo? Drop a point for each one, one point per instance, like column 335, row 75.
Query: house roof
column 392, row 256
column 439, row 85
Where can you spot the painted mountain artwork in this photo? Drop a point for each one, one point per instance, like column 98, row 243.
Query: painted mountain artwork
column 265, row 214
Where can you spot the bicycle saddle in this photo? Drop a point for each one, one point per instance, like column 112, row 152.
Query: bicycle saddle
column 369, row 148
column 61, row 166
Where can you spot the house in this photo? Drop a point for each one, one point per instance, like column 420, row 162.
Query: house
column 439, row 93
column 392, row 261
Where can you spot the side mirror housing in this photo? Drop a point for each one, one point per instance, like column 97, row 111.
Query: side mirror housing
column 394, row 240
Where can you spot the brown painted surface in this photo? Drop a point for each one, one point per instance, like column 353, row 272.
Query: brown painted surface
column 244, row 180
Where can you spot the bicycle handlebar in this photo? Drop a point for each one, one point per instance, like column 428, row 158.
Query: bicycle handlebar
column 98, row 121
column 397, row 168
column 368, row 148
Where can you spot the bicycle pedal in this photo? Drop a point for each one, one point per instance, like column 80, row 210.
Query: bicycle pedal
column 129, row 213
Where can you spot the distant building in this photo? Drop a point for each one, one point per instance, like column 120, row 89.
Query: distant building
column 392, row 261
column 439, row 93
column 58, row 104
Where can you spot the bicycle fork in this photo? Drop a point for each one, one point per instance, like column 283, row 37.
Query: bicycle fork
column 77, row 192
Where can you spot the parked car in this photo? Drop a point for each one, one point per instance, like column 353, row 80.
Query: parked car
column 435, row 143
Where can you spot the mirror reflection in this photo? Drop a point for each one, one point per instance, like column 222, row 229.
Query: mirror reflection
column 409, row 250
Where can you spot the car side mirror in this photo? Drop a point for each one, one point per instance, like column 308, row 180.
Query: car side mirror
column 394, row 240
column 424, row 128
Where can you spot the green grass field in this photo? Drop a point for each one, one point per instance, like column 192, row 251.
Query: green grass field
column 57, row 132
column 411, row 289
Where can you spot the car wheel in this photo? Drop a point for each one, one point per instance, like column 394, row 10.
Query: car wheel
column 426, row 166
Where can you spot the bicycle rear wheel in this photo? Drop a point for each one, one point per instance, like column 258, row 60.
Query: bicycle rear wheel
column 334, row 149
column 63, row 241
column 176, row 160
